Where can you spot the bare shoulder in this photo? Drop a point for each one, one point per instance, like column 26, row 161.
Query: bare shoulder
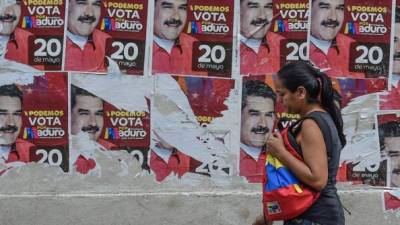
column 310, row 130
column 309, row 123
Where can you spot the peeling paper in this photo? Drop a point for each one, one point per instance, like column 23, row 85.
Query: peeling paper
column 5, row 3
column 12, row 72
column 19, row 171
column 113, row 67
column 124, row 92
column 121, row 162
column 390, row 100
column 166, row 86
column 395, row 193
column 222, row 126
column 367, row 103
column 369, row 161
column 6, row 167
column 359, row 127
column 173, row 120
column 109, row 164
column 81, row 144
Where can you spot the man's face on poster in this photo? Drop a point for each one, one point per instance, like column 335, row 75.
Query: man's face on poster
column 327, row 18
column 9, row 16
column 169, row 18
column 395, row 171
column 255, row 18
column 257, row 121
column 396, row 57
column 87, row 116
column 10, row 119
column 392, row 145
column 83, row 16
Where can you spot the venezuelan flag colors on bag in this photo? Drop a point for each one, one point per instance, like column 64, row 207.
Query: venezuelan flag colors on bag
column 284, row 196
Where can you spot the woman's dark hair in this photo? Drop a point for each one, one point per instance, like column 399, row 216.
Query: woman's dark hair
column 318, row 87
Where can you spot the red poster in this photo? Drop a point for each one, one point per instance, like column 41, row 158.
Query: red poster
column 292, row 23
column 206, row 96
column 348, row 89
column 37, row 131
column 351, row 38
column 125, row 130
column 389, row 139
column 111, row 35
column 257, row 123
column 126, row 22
column 272, row 33
column 33, row 32
column 261, row 115
column 110, row 127
column 259, row 45
column 193, row 37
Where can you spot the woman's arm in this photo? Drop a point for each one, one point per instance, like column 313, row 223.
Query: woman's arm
column 314, row 170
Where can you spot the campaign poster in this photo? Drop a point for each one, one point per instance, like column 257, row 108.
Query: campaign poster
column 292, row 23
column 192, row 128
column 34, row 120
column 259, row 46
column 261, row 115
column 101, row 118
column 126, row 22
column 389, row 139
column 351, row 38
column 273, row 36
column 111, row 37
column 127, row 130
column 193, row 37
column 32, row 32
column 257, row 123
column 360, row 157
column 283, row 118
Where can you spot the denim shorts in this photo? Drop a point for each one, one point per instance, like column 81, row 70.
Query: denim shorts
column 300, row 222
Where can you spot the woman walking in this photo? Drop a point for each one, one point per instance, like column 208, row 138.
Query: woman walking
column 318, row 137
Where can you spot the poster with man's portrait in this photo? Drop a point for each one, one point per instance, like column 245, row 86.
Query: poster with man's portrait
column 193, row 37
column 351, row 38
column 104, row 35
column 32, row 33
column 34, row 121
column 102, row 121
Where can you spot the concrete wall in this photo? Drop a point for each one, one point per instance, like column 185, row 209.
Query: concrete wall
column 119, row 192
column 39, row 195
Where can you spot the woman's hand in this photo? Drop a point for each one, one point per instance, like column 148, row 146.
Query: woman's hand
column 275, row 144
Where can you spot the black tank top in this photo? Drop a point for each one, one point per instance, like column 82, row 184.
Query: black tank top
column 327, row 210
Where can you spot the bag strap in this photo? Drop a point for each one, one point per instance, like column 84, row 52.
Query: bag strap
column 289, row 146
column 295, row 128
